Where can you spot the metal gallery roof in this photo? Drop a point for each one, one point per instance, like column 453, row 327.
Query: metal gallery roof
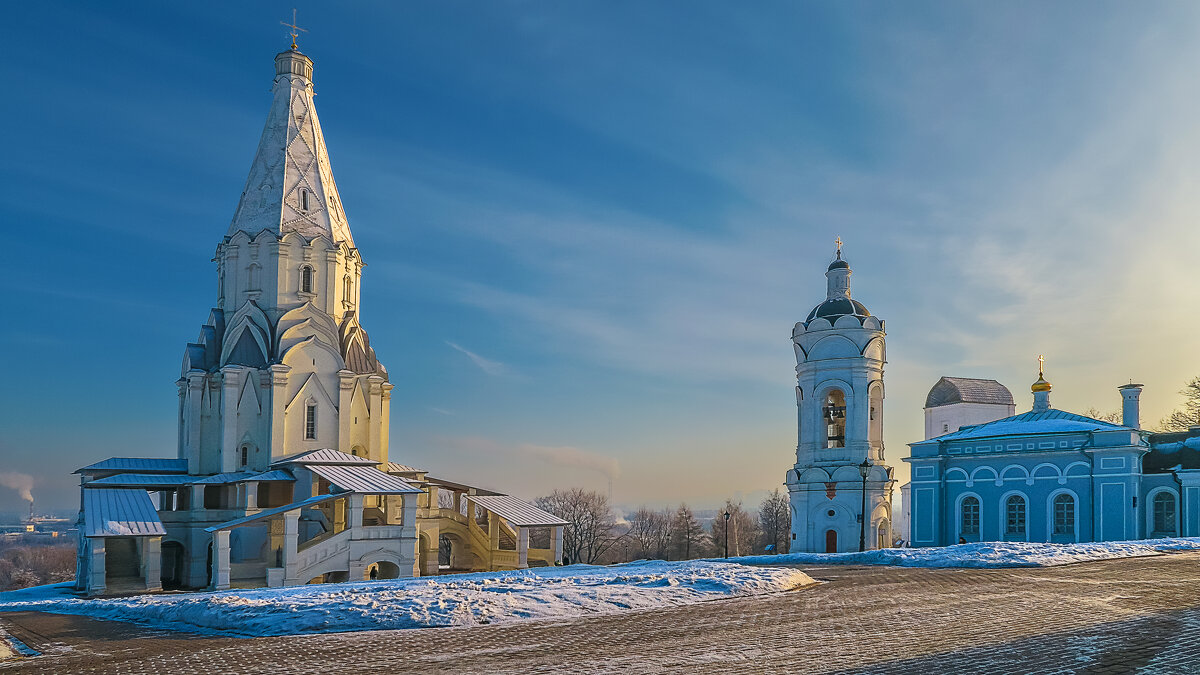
column 120, row 513
column 951, row 390
column 142, row 480
column 323, row 456
column 137, row 464
column 366, row 479
column 516, row 511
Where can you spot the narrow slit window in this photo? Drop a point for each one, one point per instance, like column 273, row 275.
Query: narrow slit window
column 347, row 289
column 304, row 200
column 306, row 279
column 310, row 422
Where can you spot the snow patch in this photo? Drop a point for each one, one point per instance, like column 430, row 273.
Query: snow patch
column 986, row 554
column 451, row 600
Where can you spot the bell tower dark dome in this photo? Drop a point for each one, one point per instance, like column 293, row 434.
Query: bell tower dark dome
column 838, row 302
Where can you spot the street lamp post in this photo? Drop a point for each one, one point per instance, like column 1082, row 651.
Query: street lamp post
column 726, row 534
column 863, row 470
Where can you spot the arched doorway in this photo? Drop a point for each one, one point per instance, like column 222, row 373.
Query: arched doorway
column 173, row 557
column 831, row 541
column 382, row 570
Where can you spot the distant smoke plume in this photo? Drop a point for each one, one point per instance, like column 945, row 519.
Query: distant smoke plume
column 568, row 456
column 21, row 482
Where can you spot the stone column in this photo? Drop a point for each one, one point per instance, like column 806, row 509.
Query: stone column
column 356, row 504
column 152, row 563
column 250, row 495
column 291, row 542
column 493, row 531
column 410, row 516
column 385, row 416
column 279, row 380
column 196, row 498
column 556, row 544
column 220, row 567
column 231, row 377
column 339, row 514
column 522, row 548
column 195, row 420
column 345, row 414
column 375, row 400
column 96, row 574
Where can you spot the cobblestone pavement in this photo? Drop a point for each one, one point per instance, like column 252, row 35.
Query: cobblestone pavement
column 1135, row 615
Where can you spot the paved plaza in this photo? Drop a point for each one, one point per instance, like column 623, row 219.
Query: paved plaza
column 1121, row 616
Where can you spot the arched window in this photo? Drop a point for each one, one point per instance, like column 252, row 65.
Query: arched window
column 1164, row 514
column 310, row 421
column 835, row 419
column 970, row 516
column 303, row 200
column 245, row 455
column 1014, row 516
column 347, row 290
column 1064, row 514
column 306, row 279
column 253, row 277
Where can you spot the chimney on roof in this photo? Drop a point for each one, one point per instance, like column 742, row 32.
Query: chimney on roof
column 1130, row 407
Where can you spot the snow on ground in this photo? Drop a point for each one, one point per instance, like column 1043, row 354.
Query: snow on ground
column 460, row 599
column 987, row 554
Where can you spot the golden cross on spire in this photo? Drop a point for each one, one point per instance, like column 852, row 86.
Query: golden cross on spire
column 1041, row 364
column 838, row 241
column 294, row 28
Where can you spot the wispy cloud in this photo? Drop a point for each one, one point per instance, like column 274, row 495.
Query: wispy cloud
column 486, row 365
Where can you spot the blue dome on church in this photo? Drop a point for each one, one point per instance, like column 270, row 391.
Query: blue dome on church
column 835, row 308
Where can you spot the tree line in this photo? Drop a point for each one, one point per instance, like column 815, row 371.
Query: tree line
column 593, row 534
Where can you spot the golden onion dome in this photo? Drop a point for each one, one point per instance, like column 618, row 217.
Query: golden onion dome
column 1041, row 384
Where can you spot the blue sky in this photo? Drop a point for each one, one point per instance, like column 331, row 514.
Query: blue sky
column 590, row 226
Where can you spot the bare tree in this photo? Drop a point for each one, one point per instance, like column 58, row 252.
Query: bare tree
column 1114, row 416
column 1186, row 415
column 743, row 531
column 589, row 531
column 687, row 535
column 775, row 521
column 642, row 526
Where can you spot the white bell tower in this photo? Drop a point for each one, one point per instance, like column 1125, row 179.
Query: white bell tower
column 840, row 354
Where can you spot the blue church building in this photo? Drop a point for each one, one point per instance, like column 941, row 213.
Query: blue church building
column 1046, row 475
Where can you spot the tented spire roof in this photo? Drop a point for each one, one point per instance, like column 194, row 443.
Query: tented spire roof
column 290, row 187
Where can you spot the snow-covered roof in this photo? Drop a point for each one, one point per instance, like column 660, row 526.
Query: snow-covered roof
column 323, row 456
column 951, row 390
column 142, row 480
column 517, row 512
column 366, row 479
column 1030, row 423
column 137, row 464
column 120, row 513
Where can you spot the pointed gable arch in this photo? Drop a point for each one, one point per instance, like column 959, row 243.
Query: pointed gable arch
column 356, row 347
column 359, row 405
column 307, row 348
column 302, row 323
column 248, row 401
column 248, row 320
column 309, row 391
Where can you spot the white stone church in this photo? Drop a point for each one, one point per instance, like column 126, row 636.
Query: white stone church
column 282, row 475
column 840, row 487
